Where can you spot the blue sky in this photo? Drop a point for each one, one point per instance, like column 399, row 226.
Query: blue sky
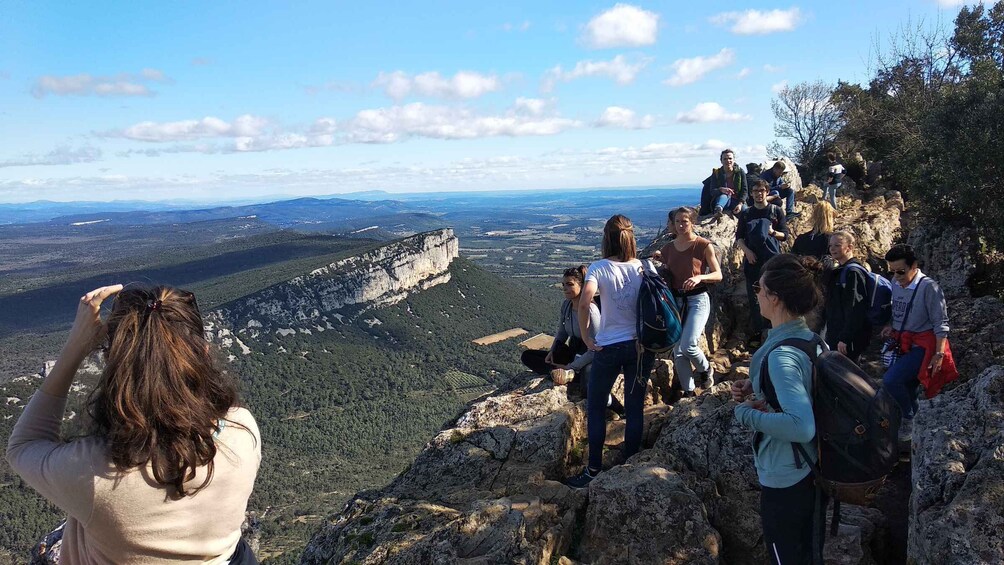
column 227, row 100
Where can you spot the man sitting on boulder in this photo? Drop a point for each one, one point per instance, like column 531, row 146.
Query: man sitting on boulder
column 779, row 188
column 727, row 189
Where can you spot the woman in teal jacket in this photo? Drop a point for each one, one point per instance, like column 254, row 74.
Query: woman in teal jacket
column 788, row 289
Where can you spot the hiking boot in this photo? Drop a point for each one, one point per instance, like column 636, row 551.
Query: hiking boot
column 906, row 430
column 718, row 213
column 689, row 394
column 791, row 216
column 581, row 480
column 706, row 379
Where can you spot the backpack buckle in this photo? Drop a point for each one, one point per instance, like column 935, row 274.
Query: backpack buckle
column 859, row 429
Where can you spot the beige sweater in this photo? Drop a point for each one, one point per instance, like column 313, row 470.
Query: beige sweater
column 123, row 518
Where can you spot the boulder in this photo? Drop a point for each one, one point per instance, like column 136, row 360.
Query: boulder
column 977, row 334
column 957, row 502
column 948, row 254
column 646, row 514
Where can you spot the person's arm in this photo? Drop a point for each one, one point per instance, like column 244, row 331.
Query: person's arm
column 751, row 257
column 561, row 334
column 594, row 324
column 938, row 309
column 742, row 190
column 714, row 273
column 61, row 472
column 795, row 421
column 781, row 232
column 585, row 320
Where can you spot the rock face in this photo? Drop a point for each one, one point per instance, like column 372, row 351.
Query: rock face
column 315, row 301
column 957, row 503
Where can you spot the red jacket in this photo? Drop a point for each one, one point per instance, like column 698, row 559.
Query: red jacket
column 932, row 383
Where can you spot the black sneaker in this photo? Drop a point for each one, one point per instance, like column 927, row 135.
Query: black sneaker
column 581, row 480
column 689, row 394
column 706, row 379
column 792, row 215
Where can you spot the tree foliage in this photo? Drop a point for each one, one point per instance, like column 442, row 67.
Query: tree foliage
column 805, row 118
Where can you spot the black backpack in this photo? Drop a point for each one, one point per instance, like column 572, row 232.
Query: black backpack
column 857, row 427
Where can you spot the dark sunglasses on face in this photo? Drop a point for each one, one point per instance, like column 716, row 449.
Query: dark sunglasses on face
column 757, row 287
column 899, row 272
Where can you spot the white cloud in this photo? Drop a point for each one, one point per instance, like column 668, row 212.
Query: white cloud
column 124, row 84
column 618, row 69
column 246, row 125
column 464, row 84
column 755, row 22
column 772, row 68
column 397, row 123
column 62, row 155
column 687, row 71
column 524, row 26
column 745, row 72
column 531, row 106
column 710, row 112
column 618, row 117
column 623, row 25
column 779, row 86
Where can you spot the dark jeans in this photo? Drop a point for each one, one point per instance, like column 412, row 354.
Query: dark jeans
column 752, row 273
column 901, row 382
column 789, row 199
column 607, row 364
column 243, row 555
column 534, row 358
column 787, row 518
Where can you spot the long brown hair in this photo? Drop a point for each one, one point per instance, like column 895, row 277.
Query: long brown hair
column 161, row 396
column 618, row 238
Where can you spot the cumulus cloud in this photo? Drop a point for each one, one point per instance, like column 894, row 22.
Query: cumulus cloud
column 618, row 117
column 397, row 123
column 709, row 112
column 779, row 86
column 756, row 22
column 62, row 155
column 623, row 25
column 772, row 68
column 184, row 130
column 687, row 71
column 530, row 106
column 619, row 69
column 124, row 84
column 745, row 72
column 464, row 84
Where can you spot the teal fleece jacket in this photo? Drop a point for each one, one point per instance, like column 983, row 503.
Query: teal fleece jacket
column 791, row 373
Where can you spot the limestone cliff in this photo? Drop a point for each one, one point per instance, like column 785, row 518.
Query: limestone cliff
column 334, row 293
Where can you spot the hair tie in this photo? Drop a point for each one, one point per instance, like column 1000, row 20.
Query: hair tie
column 153, row 305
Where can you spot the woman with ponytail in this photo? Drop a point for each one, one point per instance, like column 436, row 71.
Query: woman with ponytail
column 788, row 289
column 616, row 279
column 169, row 462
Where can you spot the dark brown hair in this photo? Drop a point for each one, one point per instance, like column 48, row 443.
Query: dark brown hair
column 577, row 273
column 724, row 151
column 831, row 157
column 618, row 238
column 779, row 164
column 795, row 280
column 161, row 396
column 758, row 183
column 686, row 211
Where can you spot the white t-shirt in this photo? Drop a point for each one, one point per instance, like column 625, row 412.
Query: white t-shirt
column 617, row 284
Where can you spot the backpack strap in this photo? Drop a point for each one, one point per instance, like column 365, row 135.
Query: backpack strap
column 809, row 347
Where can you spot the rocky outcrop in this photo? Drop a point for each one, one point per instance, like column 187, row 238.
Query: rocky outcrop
column 343, row 289
column 957, row 504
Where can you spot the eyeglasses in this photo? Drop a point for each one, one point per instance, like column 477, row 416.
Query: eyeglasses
column 899, row 272
column 757, row 288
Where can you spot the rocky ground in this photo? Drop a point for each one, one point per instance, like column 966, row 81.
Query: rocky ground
column 487, row 488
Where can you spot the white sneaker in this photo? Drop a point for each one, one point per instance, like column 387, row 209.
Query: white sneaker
column 562, row 376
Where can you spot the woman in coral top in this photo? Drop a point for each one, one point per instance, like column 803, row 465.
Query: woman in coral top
column 169, row 462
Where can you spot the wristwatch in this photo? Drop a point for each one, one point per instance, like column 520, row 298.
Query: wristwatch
column 938, row 354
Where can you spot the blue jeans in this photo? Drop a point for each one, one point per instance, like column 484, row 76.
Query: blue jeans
column 830, row 193
column 726, row 202
column 607, row 364
column 789, row 198
column 687, row 354
column 901, row 382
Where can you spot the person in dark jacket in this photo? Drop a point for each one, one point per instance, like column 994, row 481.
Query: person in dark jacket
column 847, row 327
column 759, row 233
column 780, row 189
column 727, row 189
column 816, row 242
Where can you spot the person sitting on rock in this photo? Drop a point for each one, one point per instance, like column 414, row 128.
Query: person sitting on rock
column 847, row 328
column 728, row 186
column 691, row 264
column 617, row 280
column 834, row 178
column 165, row 472
column 568, row 359
column 788, row 289
column 816, row 241
column 779, row 189
column 919, row 327
column 759, row 232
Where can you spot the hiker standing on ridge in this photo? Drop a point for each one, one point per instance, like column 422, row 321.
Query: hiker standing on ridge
column 759, row 232
column 788, row 289
column 728, row 187
column 919, row 328
column 834, row 178
column 847, row 328
column 617, row 280
column 692, row 264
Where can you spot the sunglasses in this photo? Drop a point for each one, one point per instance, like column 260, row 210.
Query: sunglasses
column 757, row 288
column 899, row 272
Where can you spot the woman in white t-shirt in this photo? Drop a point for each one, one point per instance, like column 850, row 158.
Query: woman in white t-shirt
column 616, row 279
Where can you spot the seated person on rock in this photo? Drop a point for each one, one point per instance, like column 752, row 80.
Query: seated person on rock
column 728, row 186
column 779, row 189
column 568, row 359
column 816, row 242
column 169, row 461
column 919, row 328
column 691, row 265
column 788, row 289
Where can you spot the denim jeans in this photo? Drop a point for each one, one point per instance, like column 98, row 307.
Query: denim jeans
column 726, row 202
column 830, row 193
column 687, row 354
column 901, row 380
column 607, row 364
column 789, row 198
